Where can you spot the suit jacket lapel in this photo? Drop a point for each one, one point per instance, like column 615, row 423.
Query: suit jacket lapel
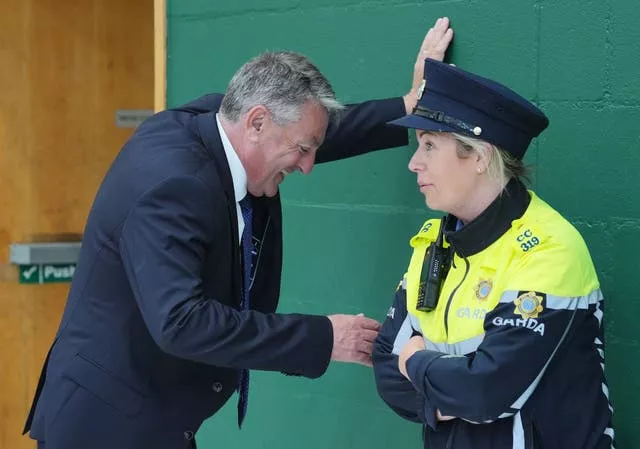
column 208, row 131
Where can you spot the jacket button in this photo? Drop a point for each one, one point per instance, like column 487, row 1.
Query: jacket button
column 188, row 435
column 217, row 387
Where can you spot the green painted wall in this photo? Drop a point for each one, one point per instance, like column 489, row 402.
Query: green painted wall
column 347, row 226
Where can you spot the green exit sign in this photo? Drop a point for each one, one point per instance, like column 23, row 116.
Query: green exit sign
column 46, row 274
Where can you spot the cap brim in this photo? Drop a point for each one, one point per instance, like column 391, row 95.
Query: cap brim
column 416, row 122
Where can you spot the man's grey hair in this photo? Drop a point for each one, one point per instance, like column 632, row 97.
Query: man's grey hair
column 282, row 82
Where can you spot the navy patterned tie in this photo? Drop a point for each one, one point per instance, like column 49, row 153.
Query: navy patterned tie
column 247, row 262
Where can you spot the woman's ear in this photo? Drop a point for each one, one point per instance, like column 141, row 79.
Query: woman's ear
column 483, row 157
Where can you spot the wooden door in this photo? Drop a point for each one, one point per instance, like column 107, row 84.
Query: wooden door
column 66, row 66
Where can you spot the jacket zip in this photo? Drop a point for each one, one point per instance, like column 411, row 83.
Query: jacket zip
column 446, row 310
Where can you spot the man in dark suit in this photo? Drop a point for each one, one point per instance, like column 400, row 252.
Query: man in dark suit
column 173, row 299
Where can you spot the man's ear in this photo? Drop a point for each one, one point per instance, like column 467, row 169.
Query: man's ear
column 254, row 122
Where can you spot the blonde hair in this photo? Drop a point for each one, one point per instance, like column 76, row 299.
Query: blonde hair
column 502, row 166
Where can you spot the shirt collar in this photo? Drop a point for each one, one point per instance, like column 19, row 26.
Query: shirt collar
column 238, row 173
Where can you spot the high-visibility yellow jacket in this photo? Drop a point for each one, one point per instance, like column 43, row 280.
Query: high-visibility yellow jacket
column 514, row 347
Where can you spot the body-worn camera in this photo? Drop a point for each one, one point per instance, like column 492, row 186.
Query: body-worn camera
column 435, row 267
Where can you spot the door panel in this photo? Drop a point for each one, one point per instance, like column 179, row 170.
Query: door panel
column 66, row 67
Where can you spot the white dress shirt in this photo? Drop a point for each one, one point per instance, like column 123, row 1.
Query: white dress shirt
column 238, row 175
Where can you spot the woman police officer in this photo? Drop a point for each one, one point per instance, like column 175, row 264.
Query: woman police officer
column 495, row 338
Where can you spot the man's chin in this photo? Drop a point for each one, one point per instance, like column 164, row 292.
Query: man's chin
column 269, row 189
column 271, row 192
column 273, row 188
column 268, row 192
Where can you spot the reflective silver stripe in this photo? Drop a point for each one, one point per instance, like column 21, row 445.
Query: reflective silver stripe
column 463, row 347
column 476, row 422
column 517, row 405
column 508, row 296
column 409, row 324
column 460, row 348
column 610, row 433
column 415, row 323
column 432, row 346
column 403, row 336
column 560, row 302
column 575, row 302
column 605, row 389
column 469, row 345
column 518, row 432
column 599, row 314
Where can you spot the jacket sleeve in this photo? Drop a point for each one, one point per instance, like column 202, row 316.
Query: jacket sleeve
column 394, row 389
column 523, row 334
column 163, row 244
column 361, row 128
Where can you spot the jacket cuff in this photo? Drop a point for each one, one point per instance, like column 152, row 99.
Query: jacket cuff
column 315, row 354
column 427, row 412
column 397, row 136
column 417, row 366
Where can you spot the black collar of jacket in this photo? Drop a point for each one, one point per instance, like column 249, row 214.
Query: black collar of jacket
column 491, row 224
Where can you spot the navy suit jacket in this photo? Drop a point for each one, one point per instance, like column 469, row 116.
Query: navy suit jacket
column 152, row 336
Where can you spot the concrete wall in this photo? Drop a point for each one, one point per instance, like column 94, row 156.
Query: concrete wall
column 347, row 226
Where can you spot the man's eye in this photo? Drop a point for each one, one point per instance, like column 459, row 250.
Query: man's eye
column 428, row 146
column 303, row 150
